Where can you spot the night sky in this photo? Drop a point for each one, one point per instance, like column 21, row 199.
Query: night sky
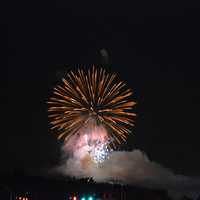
column 154, row 48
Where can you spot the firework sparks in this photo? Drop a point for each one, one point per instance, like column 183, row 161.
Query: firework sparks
column 98, row 150
column 88, row 99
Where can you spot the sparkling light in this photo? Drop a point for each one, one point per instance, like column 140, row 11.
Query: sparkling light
column 100, row 151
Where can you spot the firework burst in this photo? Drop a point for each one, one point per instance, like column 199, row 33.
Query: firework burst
column 91, row 98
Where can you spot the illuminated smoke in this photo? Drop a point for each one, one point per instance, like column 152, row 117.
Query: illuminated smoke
column 123, row 167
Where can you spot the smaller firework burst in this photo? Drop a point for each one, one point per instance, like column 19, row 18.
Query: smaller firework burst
column 98, row 150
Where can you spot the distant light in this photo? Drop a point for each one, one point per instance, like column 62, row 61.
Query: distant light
column 90, row 198
column 83, row 198
column 75, row 198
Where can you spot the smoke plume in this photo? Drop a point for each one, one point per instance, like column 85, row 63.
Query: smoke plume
column 125, row 167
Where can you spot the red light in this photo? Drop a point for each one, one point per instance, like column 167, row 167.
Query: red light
column 74, row 198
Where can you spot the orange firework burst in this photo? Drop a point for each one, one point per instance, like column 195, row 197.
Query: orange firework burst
column 91, row 95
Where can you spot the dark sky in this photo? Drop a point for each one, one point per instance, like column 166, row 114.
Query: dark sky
column 155, row 48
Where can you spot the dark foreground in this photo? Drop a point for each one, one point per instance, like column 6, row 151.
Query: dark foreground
column 22, row 187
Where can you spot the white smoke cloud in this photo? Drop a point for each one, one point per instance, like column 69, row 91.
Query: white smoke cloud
column 125, row 167
column 131, row 167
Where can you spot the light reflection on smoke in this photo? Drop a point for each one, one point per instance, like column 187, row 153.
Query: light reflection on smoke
column 86, row 149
